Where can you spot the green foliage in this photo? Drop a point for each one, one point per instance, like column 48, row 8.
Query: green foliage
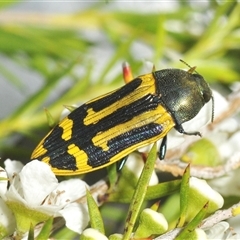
column 184, row 197
column 46, row 230
column 139, row 193
column 96, row 221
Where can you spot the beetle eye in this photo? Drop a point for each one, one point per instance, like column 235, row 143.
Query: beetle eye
column 207, row 96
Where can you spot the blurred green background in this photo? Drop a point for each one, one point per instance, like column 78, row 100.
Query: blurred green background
column 55, row 54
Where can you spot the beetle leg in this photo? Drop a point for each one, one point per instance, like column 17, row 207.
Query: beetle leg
column 121, row 163
column 163, row 148
column 180, row 129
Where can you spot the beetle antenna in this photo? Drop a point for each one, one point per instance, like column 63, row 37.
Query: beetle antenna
column 192, row 69
column 212, row 109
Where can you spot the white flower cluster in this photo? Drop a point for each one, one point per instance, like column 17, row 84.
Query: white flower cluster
column 34, row 195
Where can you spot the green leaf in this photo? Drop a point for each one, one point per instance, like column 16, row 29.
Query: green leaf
column 50, row 120
column 188, row 231
column 124, row 190
column 140, row 193
column 46, row 230
column 96, row 221
column 184, row 196
column 31, row 233
column 65, row 233
column 112, row 175
column 162, row 189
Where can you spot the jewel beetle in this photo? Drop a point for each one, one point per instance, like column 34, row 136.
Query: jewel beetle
column 108, row 128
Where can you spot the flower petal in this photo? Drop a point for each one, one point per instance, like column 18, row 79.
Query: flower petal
column 76, row 216
column 7, row 220
column 12, row 167
column 14, row 192
column 37, row 181
column 217, row 231
column 67, row 192
column 3, row 182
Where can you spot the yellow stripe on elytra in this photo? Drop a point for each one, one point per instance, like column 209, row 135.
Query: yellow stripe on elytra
column 66, row 125
column 39, row 151
column 159, row 116
column 147, row 87
column 46, row 159
column 77, row 153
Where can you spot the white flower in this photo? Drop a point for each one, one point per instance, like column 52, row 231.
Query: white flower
column 222, row 230
column 226, row 145
column 234, row 226
column 7, row 220
column 36, row 189
column 227, row 185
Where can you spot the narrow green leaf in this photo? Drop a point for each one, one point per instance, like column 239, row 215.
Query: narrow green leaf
column 184, row 196
column 96, row 221
column 186, row 232
column 140, row 193
column 124, row 190
column 70, row 108
column 50, row 120
column 31, row 233
column 112, row 175
column 155, row 206
column 65, row 233
column 46, row 230
column 162, row 189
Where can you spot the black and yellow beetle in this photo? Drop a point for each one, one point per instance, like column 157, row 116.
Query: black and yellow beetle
column 108, row 128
